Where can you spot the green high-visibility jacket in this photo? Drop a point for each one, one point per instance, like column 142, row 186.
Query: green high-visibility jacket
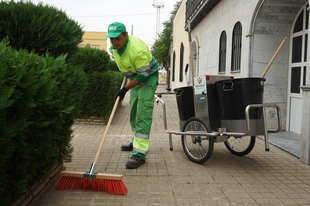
column 135, row 60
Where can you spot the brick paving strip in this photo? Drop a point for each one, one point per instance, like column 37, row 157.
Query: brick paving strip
column 170, row 178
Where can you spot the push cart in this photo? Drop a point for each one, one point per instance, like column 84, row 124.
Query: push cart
column 221, row 109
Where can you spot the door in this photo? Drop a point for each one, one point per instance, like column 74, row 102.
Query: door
column 298, row 69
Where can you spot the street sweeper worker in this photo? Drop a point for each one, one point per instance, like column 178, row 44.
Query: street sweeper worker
column 135, row 61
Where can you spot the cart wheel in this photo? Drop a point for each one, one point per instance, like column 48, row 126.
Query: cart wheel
column 197, row 148
column 240, row 145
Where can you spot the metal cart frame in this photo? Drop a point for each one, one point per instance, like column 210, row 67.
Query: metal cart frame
column 218, row 136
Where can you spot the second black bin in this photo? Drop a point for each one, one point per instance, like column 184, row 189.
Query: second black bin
column 236, row 94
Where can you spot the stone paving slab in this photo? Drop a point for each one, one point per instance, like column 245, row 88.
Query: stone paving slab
column 170, row 178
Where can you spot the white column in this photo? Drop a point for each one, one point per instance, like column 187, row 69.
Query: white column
column 305, row 125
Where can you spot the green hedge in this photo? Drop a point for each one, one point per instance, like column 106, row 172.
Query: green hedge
column 113, row 66
column 92, row 60
column 39, row 28
column 99, row 96
column 39, row 99
column 103, row 81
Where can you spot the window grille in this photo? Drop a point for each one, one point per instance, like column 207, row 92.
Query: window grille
column 173, row 66
column 222, row 55
column 181, row 62
column 236, row 47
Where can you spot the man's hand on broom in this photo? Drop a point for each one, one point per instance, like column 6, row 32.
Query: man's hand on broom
column 121, row 93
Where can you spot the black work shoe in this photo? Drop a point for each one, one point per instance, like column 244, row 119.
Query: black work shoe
column 134, row 162
column 127, row 147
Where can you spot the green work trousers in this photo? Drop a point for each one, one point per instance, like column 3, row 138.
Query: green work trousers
column 141, row 113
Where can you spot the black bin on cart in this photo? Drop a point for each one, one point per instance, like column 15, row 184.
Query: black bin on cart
column 234, row 96
column 185, row 102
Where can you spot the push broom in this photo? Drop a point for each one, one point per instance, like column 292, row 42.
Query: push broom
column 110, row 183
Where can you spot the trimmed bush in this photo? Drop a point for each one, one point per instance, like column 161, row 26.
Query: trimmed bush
column 99, row 96
column 39, row 28
column 92, row 60
column 39, row 99
column 103, row 81
column 113, row 66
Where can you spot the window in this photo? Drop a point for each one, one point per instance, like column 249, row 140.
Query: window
column 297, row 49
column 181, row 62
column 306, row 48
column 81, row 45
column 236, row 47
column 173, row 65
column 295, row 79
column 299, row 23
column 96, row 47
column 222, row 55
column 305, row 74
column 307, row 17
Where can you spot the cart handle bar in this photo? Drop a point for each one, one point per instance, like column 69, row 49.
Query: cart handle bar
column 214, row 134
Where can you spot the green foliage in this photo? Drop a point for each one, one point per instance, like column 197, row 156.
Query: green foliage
column 39, row 28
column 161, row 47
column 99, row 97
column 92, row 60
column 113, row 66
column 39, row 98
column 103, row 81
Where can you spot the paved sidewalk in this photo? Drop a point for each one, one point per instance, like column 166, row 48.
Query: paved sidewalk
column 170, row 178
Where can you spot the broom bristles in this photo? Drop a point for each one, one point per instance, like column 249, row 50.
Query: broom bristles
column 116, row 187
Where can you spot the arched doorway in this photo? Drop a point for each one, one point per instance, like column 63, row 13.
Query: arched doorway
column 264, row 38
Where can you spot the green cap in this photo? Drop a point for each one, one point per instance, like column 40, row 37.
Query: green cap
column 115, row 29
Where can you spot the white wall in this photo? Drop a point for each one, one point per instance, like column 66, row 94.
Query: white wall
column 179, row 36
column 223, row 18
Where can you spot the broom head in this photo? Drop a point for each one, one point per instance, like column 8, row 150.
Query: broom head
column 109, row 183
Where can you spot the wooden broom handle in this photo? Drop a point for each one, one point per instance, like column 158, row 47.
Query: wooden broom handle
column 109, row 123
column 274, row 56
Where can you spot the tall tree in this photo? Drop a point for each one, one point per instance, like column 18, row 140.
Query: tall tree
column 161, row 47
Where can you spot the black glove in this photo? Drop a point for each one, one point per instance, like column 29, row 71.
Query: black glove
column 121, row 93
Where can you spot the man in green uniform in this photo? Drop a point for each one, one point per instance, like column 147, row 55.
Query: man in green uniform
column 135, row 61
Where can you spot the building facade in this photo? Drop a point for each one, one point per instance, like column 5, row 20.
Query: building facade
column 239, row 38
column 94, row 40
